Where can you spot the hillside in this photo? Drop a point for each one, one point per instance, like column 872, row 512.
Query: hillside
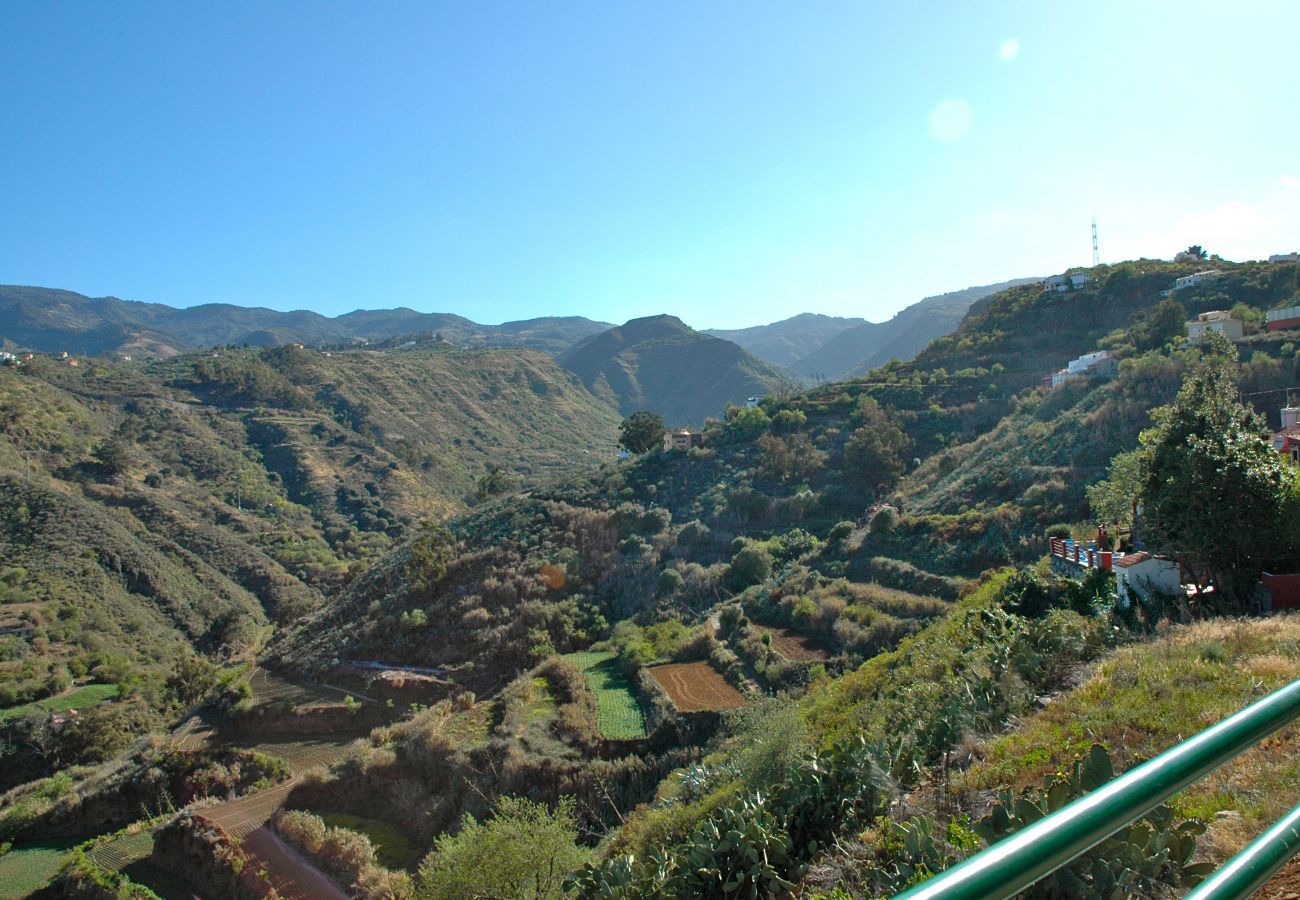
column 50, row 321
column 658, row 363
column 864, row 347
column 152, row 511
column 790, row 340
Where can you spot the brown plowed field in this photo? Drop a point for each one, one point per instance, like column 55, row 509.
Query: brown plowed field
column 796, row 647
column 696, row 687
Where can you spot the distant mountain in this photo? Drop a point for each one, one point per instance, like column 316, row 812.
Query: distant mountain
column 49, row 320
column 660, row 364
column 861, row 348
column 790, row 340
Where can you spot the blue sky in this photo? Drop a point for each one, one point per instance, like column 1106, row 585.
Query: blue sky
column 732, row 163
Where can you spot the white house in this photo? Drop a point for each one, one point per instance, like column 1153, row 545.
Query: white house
column 1098, row 362
column 1217, row 320
column 1194, row 279
column 1140, row 575
column 1285, row 258
column 1062, row 283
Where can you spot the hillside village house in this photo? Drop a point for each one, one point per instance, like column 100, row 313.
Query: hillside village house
column 1099, row 363
column 1062, row 283
column 1192, row 280
column 1285, row 258
column 1138, row 576
column 1286, row 317
column 1286, row 441
column 683, row 439
column 1217, row 320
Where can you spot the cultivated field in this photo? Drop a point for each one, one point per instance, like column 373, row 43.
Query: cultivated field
column 25, row 870
column 796, row 647
column 618, row 714
column 696, row 687
column 117, row 855
column 80, row 698
column 271, row 688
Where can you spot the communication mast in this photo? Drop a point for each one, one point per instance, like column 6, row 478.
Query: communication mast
column 1096, row 260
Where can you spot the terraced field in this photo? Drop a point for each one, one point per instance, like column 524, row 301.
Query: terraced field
column 696, row 687
column 27, row 869
column 796, row 647
column 117, row 855
column 271, row 688
column 82, row 698
column 618, row 713
column 304, row 753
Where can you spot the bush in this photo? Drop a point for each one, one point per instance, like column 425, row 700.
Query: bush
column 693, row 534
column 524, row 851
column 750, row 566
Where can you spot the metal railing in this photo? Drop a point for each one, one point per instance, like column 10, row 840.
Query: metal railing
column 1014, row 863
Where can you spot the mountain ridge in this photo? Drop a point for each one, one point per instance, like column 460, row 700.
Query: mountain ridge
column 51, row 320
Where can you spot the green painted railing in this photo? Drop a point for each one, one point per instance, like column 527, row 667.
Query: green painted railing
column 1246, row 872
column 1014, row 863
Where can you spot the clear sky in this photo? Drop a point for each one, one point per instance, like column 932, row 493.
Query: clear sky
column 732, row 163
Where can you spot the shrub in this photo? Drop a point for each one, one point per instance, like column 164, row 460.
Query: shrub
column 750, row 566
column 524, row 851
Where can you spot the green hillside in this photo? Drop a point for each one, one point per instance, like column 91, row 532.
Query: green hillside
column 659, row 364
column 154, row 511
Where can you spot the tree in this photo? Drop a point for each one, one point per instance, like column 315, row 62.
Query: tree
column 641, row 431
column 497, row 481
column 1165, row 320
column 1213, row 489
column 790, row 459
column 873, row 454
column 525, row 851
column 432, row 549
column 1191, row 254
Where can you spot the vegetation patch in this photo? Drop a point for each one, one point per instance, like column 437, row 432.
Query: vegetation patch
column 82, row 698
column 25, row 870
column 393, row 849
column 696, row 687
column 618, row 714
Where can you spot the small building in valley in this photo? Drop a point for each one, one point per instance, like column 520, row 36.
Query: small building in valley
column 683, row 439
column 1217, row 320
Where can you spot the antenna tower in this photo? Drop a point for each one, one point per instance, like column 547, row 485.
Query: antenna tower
column 1096, row 260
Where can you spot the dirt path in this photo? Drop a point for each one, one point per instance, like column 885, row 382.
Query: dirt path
column 292, row 875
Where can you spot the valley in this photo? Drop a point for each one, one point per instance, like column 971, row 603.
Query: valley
column 322, row 597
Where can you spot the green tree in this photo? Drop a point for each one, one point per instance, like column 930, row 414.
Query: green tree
column 790, row 459
column 1213, row 489
column 873, row 454
column 430, row 553
column 1165, row 320
column 524, row 852
column 497, row 481
column 641, row 431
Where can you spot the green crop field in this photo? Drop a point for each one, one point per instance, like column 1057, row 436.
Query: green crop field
column 618, row 714
column 81, row 698
column 25, row 870
column 392, row 848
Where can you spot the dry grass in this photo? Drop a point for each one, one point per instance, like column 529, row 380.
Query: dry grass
column 1146, row 698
